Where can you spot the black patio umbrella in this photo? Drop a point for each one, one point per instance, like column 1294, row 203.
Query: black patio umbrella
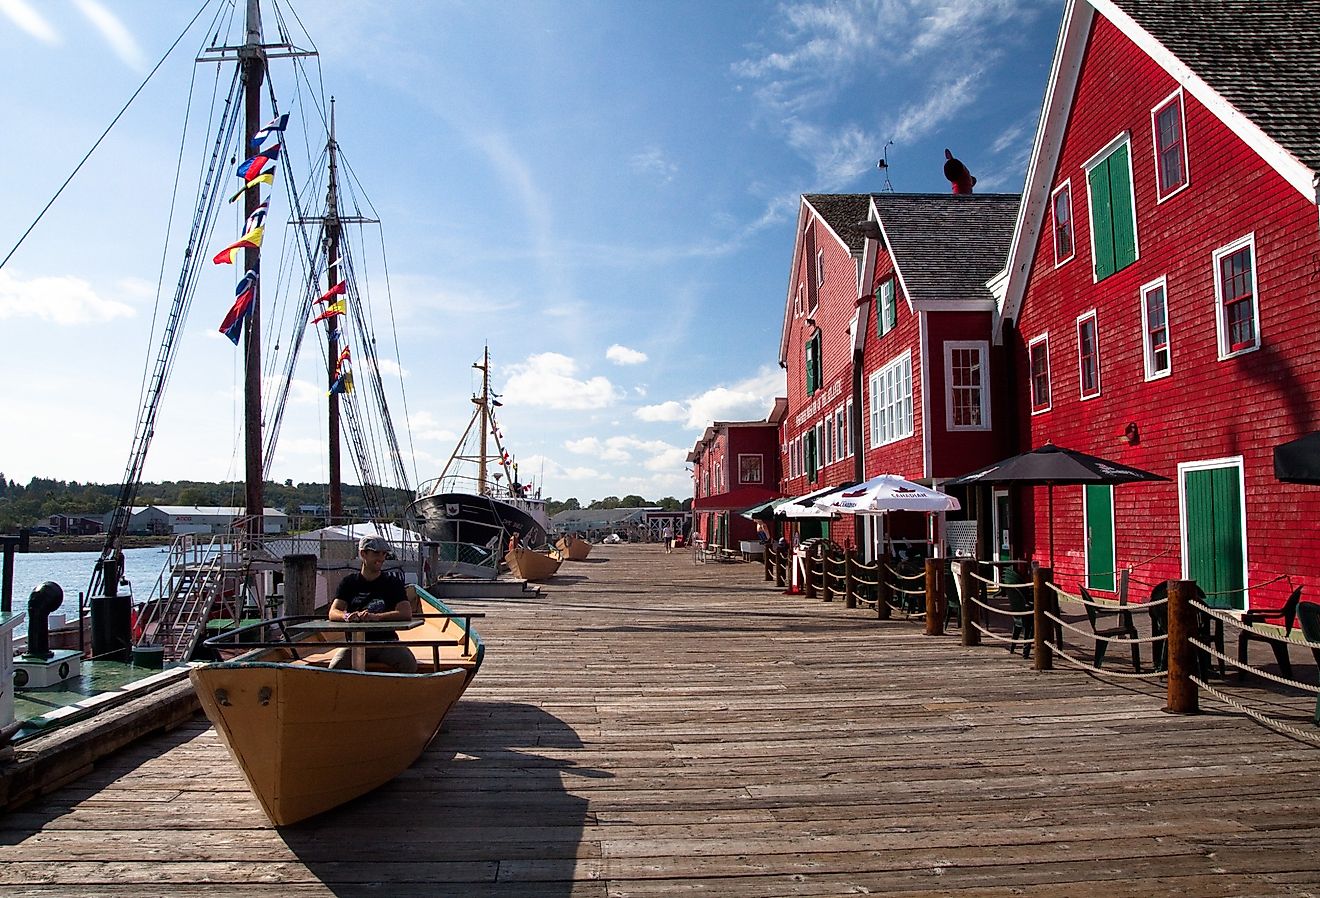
column 1051, row 465
column 1298, row 461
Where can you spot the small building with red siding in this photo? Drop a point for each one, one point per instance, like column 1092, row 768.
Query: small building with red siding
column 735, row 465
column 1160, row 302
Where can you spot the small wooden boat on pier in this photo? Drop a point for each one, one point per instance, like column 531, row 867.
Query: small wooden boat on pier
column 308, row 738
column 532, row 565
column 573, row 547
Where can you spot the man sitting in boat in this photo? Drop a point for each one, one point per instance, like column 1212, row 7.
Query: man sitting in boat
column 372, row 596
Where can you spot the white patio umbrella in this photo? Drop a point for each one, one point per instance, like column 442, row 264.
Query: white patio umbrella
column 888, row 492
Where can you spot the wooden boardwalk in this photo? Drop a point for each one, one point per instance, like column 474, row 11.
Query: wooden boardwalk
column 654, row 727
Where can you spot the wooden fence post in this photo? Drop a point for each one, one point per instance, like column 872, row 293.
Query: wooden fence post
column 936, row 607
column 824, row 559
column 849, row 585
column 1041, row 593
column 779, row 569
column 765, row 559
column 1183, row 696
column 808, row 575
column 966, row 586
column 882, row 591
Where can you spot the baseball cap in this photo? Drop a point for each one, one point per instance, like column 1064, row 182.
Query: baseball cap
column 373, row 544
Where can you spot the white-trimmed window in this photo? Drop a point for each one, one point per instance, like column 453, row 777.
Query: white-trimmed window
column 966, row 385
column 1155, row 329
column 848, row 422
column 1061, row 210
column 797, row 301
column 1169, row 124
column 797, row 456
column 1113, row 208
column 829, row 439
column 718, row 481
column 820, row 267
column 841, row 432
column 1236, row 309
column 820, row 450
column 1038, row 361
column 891, row 401
column 1088, row 355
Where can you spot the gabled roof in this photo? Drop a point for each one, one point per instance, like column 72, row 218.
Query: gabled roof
column 946, row 247
column 841, row 213
column 1263, row 56
column 1250, row 62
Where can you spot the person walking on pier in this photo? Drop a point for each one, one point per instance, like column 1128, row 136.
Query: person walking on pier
column 668, row 536
column 370, row 595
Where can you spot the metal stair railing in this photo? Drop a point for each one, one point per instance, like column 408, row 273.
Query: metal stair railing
column 192, row 606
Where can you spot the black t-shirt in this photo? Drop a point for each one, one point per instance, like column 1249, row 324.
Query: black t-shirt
column 359, row 594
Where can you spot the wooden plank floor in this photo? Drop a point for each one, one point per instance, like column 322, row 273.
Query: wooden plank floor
column 654, row 727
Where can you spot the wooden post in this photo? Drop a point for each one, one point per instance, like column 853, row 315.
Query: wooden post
column 779, row 569
column 299, row 584
column 935, row 604
column 826, row 574
column 808, row 576
column 1041, row 594
column 882, row 591
column 765, row 561
column 1183, row 696
column 966, row 586
column 849, row 586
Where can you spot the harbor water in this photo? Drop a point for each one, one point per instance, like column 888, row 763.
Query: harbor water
column 73, row 572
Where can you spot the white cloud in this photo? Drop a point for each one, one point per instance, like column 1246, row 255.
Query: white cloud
column 622, row 355
column 119, row 38
column 665, row 411
column 653, row 162
column 548, row 380
column 21, row 13
column 392, row 368
column 747, row 400
column 424, row 427
column 62, row 300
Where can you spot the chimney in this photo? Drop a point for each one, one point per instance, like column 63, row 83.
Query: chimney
column 959, row 177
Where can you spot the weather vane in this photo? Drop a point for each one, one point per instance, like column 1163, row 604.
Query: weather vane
column 883, row 165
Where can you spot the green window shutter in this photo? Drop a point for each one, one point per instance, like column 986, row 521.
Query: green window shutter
column 810, row 444
column 1102, row 227
column 891, row 306
column 1120, row 209
column 886, row 309
column 810, row 350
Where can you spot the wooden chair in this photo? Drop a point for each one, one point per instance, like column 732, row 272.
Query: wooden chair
column 1024, row 625
column 1122, row 629
column 1308, row 619
column 1286, row 615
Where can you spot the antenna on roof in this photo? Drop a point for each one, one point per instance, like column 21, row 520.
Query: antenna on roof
column 883, row 165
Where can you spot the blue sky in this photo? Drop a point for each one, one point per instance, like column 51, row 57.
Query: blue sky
column 603, row 192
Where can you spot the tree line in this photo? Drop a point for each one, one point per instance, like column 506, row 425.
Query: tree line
column 23, row 505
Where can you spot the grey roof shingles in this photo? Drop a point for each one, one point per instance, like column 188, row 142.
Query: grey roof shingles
column 948, row 246
column 1263, row 56
column 842, row 212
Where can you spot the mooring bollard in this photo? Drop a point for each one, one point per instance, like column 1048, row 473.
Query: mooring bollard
column 882, row 590
column 1041, row 596
column 1183, row 695
column 966, row 586
column 849, row 584
column 935, row 605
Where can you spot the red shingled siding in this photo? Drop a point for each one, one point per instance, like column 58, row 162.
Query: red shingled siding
column 956, row 452
column 1206, row 409
column 904, row 456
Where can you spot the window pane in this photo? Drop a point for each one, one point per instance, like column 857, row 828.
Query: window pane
column 1040, row 376
column 1063, row 240
column 965, row 387
column 1088, row 357
column 1239, row 303
column 1157, row 332
column 1169, row 147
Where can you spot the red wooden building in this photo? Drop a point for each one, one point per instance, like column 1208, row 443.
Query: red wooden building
column 1161, row 295
column 887, row 343
column 735, row 465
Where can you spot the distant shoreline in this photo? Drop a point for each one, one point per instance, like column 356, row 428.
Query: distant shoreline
column 93, row 543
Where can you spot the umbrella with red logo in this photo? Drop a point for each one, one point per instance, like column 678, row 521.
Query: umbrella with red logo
column 1049, row 465
column 888, row 492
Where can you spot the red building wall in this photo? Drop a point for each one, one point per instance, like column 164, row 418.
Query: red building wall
column 904, row 456
column 1206, row 408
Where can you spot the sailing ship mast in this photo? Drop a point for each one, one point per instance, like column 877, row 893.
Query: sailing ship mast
column 333, row 228
column 253, row 60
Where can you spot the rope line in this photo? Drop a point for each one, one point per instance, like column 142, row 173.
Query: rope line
column 978, row 602
column 921, row 576
column 1133, row 566
column 1209, row 650
column 1277, row 725
column 1000, row 585
column 997, row 638
column 1247, row 588
column 1060, row 653
column 1139, row 640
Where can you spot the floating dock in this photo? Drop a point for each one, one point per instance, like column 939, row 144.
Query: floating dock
column 648, row 726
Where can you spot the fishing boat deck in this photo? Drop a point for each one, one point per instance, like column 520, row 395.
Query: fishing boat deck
column 648, row 726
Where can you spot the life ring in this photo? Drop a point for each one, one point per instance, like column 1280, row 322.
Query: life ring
column 64, row 670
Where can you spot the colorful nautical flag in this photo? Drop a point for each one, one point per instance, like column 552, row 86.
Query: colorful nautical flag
column 337, row 290
column 246, row 290
column 278, row 123
column 343, row 357
column 335, row 308
column 257, row 219
column 266, row 177
column 250, row 240
column 343, row 384
column 258, row 162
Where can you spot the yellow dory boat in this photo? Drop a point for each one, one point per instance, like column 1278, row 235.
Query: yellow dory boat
column 308, row 738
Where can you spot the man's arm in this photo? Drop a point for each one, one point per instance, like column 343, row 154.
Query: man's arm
column 338, row 610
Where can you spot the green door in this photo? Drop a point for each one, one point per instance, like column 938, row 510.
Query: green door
column 1003, row 540
column 1213, row 520
column 1100, row 562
